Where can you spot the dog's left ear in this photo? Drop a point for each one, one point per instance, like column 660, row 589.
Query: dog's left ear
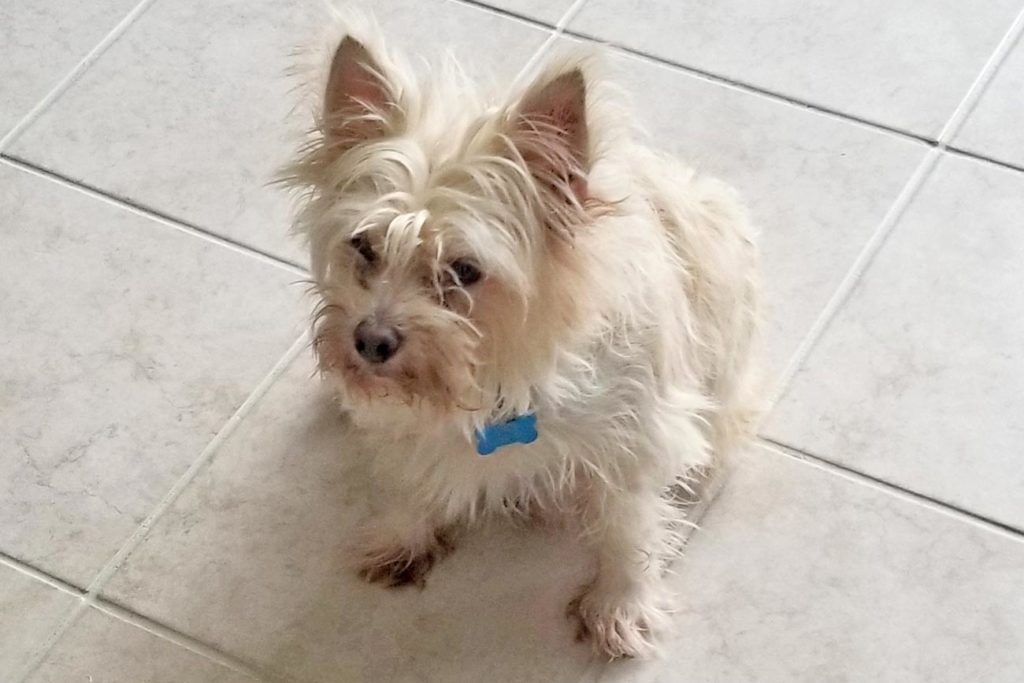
column 550, row 132
column 360, row 100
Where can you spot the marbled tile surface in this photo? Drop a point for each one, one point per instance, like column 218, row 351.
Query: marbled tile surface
column 790, row 555
column 260, row 539
column 801, row 576
column 903, row 63
column 42, row 41
column 918, row 380
column 816, row 186
column 99, row 648
column 29, row 611
column 548, row 11
column 994, row 128
column 130, row 343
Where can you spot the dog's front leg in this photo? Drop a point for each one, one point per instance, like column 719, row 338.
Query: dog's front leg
column 400, row 545
column 625, row 604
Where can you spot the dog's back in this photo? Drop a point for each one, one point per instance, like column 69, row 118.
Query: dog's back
column 714, row 241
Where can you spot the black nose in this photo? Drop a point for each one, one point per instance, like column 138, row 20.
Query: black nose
column 375, row 342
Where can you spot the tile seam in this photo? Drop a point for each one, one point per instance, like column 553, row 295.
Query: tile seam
column 93, row 590
column 74, row 74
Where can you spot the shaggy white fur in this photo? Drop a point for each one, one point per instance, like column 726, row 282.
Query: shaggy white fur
column 505, row 255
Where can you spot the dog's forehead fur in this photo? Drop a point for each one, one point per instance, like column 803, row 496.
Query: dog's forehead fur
column 437, row 190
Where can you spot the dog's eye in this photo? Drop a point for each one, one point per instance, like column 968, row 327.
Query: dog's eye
column 362, row 245
column 464, row 273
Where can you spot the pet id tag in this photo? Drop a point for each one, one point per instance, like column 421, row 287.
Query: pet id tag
column 522, row 429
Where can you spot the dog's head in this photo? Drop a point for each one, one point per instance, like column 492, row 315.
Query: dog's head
column 442, row 231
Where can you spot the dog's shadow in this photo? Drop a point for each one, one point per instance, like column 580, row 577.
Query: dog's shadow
column 492, row 610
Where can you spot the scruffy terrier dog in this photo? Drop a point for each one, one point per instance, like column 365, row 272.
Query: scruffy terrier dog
column 528, row 313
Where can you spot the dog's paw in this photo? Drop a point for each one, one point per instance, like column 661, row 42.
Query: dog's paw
column 616, row 626
column 394, row 564
column 398, row 568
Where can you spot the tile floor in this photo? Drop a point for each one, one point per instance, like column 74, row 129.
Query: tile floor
column 175, row 492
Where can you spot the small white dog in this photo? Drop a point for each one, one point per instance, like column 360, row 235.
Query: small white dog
column 528, row 312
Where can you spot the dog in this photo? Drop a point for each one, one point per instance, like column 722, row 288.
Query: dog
column 527, row 312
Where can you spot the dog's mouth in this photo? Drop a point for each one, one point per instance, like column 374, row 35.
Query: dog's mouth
column 430, row 370
column 396, row 381
column 367, row 380
column 376, row 381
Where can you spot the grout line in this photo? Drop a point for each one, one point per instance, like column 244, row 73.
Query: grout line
column 153, row 214
column 980, row 84
column 751, row 88
column 92, row 591
column 553, row 30
column 179, row 639
column 505, row 12
column 75, row 73
column 561, row 28
column 855, row 475
column 39, row 575
column 34, row 662
column 545, row 47
column 1010, row 166
column 569, row 15
column 902, row 201
column 854, row 273
column 531, row 63
column 207, row 453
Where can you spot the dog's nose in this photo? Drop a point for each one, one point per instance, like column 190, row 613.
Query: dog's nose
column 375, row 342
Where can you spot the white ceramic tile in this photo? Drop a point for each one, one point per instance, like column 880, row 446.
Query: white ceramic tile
column 817, row 186
column 252, row 559
column 127, row 344
column 905, row 63
column 918, row 380
column 190, row 112
column 548, row 11
column 801, row 576
column 994, row 128
column 42, row 41
column 101, row 649
column 29, row 611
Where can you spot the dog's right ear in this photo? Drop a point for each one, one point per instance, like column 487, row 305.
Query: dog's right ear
column 359, row 103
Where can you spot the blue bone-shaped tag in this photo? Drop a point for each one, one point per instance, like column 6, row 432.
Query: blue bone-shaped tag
column 522, row 429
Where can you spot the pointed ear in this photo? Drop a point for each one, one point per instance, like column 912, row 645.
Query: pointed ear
column 551, row 131
column 359, row 102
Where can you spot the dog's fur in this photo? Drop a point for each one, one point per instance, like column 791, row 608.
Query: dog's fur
column 618, row 301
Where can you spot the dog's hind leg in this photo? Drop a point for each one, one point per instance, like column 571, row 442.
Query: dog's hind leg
column 624, row 606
